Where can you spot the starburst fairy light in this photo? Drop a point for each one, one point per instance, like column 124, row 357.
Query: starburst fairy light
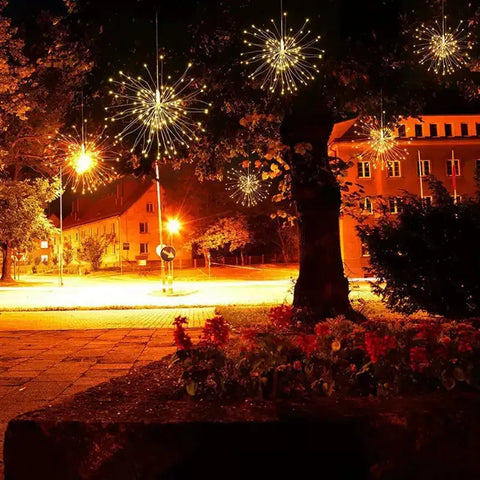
column 378, row 142
column 283, row 59
column 443, row 49
column 86, row 160
column 246, row 187
column 158, row 114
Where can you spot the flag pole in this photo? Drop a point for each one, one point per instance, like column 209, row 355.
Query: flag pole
column 420, row 174
column 454, row 178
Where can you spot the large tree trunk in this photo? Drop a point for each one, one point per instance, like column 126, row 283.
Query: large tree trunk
column 321, row 286
column 7, row 263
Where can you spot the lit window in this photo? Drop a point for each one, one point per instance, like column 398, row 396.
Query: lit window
column 393, row 205
column 423, row 168
column 44, row 244
column 149, row 207
column 363, row 169
column 143, row 227
column 456, row 163
column 144, row 248
column 366, row 206
column 393, row 168
column 44, row 258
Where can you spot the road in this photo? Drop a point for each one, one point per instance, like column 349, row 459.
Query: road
column 102, row 293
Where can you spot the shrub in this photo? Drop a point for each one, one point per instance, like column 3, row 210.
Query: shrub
column 427, row 257
column 92, row 250
column 335, row 357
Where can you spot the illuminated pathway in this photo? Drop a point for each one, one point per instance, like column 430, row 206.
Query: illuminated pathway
column 99, row 293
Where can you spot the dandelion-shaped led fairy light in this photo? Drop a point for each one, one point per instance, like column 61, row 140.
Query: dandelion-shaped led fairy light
column 378, row 142
column 85, row 160
column 442, row 48
column 283, row 59
column 246, row 187
column 158, row 114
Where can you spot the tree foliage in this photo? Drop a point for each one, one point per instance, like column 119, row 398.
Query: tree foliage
column 427, row 257
column 92, row 250
column 230, row 232
column 22, row 216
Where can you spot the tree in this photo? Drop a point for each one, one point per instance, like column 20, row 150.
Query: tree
column 67, row 254
column 428, row 257
column 22, row 217
column 92, row 250
column 231, row 232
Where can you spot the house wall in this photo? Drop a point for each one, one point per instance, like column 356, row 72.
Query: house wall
column 436, row 149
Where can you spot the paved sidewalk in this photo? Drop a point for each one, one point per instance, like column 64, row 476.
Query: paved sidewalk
column 41, row 367
column 99, row 319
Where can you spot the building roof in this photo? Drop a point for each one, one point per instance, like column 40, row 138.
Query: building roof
column 110, row 202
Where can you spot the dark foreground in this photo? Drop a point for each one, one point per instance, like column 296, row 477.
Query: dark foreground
column 137, row 427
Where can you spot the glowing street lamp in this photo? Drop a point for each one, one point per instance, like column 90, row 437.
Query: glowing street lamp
column 173, row 226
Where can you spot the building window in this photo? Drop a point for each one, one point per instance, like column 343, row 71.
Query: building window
column 393, row 205
column 456, row 199
column 366, row 205
column 477, row 129
column 143, row 227
column 457, row 167
column 402, row 131
column 433, row 130
column 477, row 167
column 448, row 130
column 44, row 244
column 427, row 202
column 365, row 251
column 423, row 168
column 126, row 246
column 363, row 169
column 419, row 130
column 393, row 168
column 464, row 129
column 143, row 248
column 149, row 207
column 44, row 258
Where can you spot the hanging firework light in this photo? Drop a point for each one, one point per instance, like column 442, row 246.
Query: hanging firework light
column 379, row 143
column 284, row 60
column 443, row 49
column 246, row 187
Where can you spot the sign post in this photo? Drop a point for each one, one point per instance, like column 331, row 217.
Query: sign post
column 167, row 254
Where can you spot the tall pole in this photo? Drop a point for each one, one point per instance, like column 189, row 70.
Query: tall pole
column 420, row 174
column 160, row 223
column 454, row 178
column 60, row 260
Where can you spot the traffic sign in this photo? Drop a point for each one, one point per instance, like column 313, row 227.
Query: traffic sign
column 168, row 254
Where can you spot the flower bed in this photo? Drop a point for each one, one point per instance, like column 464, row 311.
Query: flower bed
column 288, row 359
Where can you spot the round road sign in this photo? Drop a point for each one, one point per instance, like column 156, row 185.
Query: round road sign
column 168, row 254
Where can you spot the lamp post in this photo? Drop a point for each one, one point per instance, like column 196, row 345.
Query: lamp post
column 160, row 222
column 60, row 245
column 173, row 227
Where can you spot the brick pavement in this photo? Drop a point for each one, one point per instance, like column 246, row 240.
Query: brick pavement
column 39, row 367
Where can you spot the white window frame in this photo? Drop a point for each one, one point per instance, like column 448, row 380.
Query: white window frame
column 150, row 208
column 423, row 163
column 44, row 244
column 425, row 202
column 366, row 205
column 143, row 225
column 363, row 167
column 393, row 201
column 457, row 164
column 391, row 167
column 143, row 246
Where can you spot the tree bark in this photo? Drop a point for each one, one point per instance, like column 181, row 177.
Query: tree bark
column 7, row 263
column 322, row 287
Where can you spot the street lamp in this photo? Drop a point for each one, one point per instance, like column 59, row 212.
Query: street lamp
column 173, row 227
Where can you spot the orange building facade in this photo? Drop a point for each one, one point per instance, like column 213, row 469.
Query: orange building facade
column 126, row 215
column 445, row 146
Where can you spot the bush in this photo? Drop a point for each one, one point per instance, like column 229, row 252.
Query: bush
column 335, row 357
column 92, row 250
column 427, row 257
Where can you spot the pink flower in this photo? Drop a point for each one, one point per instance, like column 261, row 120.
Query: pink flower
column 378, row 346
column 307, row 343
column 180, row 336
column 215, row 331
column 281, row 316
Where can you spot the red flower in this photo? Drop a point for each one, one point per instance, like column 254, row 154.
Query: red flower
column 419, row 359
column 281, row 316
column 180, row 336
column 307, row 343
column 464, row 346
column 322, row 329
column 377, row 346
column 249, row 339
column 215, row 331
